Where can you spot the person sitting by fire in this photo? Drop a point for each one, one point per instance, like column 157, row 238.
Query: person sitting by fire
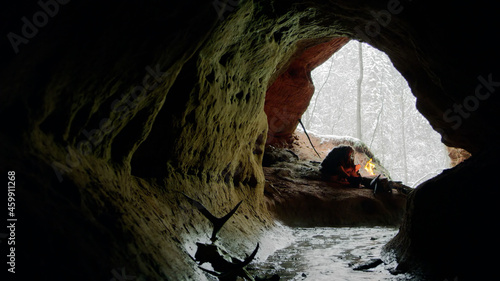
column 339, row 166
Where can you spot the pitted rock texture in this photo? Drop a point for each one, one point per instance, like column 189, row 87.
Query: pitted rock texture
column 116, row 110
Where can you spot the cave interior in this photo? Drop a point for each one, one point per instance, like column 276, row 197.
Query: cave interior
column 113, row 112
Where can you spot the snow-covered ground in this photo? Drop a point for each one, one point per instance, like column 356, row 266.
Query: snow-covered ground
column 330, row 254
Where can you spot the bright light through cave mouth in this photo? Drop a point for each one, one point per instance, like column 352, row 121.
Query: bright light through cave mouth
column 388, row 121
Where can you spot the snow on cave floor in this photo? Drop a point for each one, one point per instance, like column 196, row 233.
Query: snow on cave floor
column 326, row 253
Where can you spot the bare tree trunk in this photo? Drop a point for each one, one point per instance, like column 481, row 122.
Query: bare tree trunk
column 405, row 161
column 377, row 122
column 311, row 115
column 360, row 81
column 379, row 113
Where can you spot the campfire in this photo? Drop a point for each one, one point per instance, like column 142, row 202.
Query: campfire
column 369, row 167
column 338, row 166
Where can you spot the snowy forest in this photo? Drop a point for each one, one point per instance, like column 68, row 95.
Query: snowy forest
column 360, row 94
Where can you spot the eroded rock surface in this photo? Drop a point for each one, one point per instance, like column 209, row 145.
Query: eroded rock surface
column 288, row 97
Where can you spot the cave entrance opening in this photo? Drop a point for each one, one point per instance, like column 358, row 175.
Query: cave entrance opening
column 360, row 95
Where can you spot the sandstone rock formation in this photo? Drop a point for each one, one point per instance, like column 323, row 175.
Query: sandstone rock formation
column 288, row 97
column 457, row 155
column 110, row 109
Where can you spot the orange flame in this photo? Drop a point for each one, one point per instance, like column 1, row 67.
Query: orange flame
column 369, row 167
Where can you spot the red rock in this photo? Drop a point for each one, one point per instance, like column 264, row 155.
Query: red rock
column 288, row 97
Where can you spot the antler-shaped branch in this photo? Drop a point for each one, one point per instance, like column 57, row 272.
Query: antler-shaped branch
column 218, row 223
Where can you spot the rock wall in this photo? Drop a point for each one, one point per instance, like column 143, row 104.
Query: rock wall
column 457, row 155
column 288, row 97
column 111, row 109
column 445, row 233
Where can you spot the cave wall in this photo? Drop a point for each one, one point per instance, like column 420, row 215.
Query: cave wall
column 288, row 97
column 445, row 234
column 77, row 100
column 118, row 111
column 110, row 110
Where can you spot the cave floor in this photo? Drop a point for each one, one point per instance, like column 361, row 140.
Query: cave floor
column 329, row 253
column 329, row 228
